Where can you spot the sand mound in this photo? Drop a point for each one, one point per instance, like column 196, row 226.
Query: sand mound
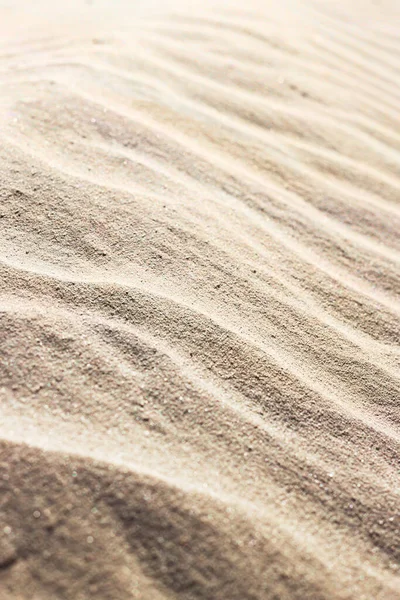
column 199, row 301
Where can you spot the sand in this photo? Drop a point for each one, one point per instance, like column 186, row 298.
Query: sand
column 199, row 300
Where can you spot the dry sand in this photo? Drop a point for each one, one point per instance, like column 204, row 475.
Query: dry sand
column 199, row 300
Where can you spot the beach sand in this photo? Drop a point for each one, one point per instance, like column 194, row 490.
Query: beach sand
column 200, row 300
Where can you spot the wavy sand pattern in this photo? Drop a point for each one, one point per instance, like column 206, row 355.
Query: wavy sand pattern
column 199, row 301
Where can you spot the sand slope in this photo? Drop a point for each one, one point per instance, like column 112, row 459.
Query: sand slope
column 199, row 301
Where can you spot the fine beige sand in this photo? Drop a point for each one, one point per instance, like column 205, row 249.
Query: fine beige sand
column 199, row 300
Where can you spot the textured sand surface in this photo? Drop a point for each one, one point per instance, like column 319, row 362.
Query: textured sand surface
column 199, row 300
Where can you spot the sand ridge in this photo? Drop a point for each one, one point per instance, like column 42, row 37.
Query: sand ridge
column 199, row 301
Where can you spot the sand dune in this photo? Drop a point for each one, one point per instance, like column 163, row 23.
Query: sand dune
column 199, row 300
